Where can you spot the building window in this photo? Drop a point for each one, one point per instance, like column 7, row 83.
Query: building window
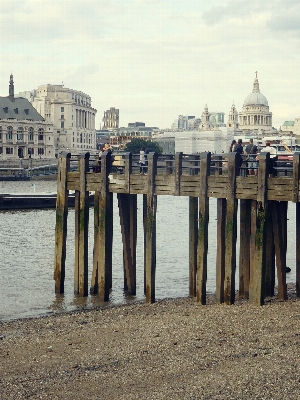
column 41, row 134
column 20, row 133
column 62, row 124
column 40, row 151
column 30, row 134
column 62, row 109
column 0, row 150
column 9, row 134
column 30, row 151
column 9, row 150
column 62, row 117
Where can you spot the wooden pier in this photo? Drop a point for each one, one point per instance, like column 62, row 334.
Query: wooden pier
column 262, row 200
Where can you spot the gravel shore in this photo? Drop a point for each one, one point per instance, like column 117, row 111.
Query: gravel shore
column 173, row 349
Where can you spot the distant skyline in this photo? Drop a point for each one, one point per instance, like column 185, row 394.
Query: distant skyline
column 156, row 59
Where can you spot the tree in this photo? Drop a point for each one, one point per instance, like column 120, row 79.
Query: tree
column 136, row 144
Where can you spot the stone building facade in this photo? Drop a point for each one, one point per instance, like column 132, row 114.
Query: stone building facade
column 72, row 115
column 23, row 131
column 111, row 118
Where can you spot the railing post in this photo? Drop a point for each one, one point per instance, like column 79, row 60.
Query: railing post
column 178, row 173
column 61, row 222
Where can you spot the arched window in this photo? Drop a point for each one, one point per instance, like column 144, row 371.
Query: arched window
column 41, row 134
column 20, row 133
column 9, row 133
column 30, row 134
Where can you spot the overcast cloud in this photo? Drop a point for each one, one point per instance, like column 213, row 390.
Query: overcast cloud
column 156, row 59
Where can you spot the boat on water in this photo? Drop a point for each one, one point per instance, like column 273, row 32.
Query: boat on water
column 33, row 201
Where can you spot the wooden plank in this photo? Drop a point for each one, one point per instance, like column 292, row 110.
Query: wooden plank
column 61, row 222
column 193, row 240
column 245, row 233
column 151, row 229
column 178, row 173
column 201, row 273
column 230, row 231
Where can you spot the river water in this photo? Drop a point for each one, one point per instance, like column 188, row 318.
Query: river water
column 27, row 255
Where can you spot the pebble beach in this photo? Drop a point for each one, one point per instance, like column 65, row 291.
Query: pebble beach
column 172, row 349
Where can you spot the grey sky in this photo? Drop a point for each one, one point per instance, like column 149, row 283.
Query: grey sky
column 155, row 59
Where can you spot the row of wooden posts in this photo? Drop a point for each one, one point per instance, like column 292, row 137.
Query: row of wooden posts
column 263, row 232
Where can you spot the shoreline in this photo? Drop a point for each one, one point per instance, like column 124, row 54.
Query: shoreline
column 174, row 348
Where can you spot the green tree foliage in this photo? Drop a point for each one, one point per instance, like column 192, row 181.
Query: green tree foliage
column 136, row 144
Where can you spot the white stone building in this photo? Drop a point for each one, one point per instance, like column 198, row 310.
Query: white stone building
column 255, row 113
column 71, row 113
column 23, row 131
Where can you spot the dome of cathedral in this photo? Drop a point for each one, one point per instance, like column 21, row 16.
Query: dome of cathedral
column 256, row 98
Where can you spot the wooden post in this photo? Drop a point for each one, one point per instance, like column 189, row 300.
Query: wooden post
column 220, row 256
column 201, row 275
column 126, row 204
column 102, row 264
column 94, row 279
column 298, row 249
column 151, row 229
column 221, row 243
column 270, row 252
column 81, row 231
column 280, row 250
column 257, row 287
column 230, row 230
column 178, row 173
column 145, row 236
column 245, row 232
column 193, row 240
column 61, row 222
column 296, row 176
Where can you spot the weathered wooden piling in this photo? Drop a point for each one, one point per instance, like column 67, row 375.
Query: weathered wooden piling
column 61, row 222
column 230, row 230
column 81, row 229
column 150, row 243
column 201, row 274
column 263, row 202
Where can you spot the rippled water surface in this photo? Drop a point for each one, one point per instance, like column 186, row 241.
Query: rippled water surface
column 27, row 255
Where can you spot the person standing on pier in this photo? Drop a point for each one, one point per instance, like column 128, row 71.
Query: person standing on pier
column 142, row 161
column 250, row 151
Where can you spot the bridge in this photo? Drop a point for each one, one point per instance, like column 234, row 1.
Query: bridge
column 262, row 199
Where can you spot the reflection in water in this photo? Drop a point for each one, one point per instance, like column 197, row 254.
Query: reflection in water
column 27, row 246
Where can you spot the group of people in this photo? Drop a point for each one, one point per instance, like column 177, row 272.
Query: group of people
column 143, row 160
column 251, row 152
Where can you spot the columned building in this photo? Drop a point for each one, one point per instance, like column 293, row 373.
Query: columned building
column 111, row 118
column 72, row 115
column 255, row 113
column 23, row 131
